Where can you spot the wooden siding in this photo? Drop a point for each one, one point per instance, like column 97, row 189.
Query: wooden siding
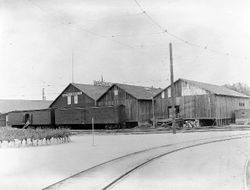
column 145, row 110
column 135, row 110
column 83, row 99
column 242, row 114
column 3, row 120
column 226, row 106
column 37, row 117
column 182, row 88
column 200, row 104
column 191, row 107
column 101, row 115
column 123, row 98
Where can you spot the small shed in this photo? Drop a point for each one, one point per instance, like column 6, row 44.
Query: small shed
column 78, row 95
column 242, row 117
column 208, row 103
column 136, row 99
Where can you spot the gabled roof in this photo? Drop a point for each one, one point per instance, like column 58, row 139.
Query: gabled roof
column 216, row 89
column 138, row 92
column 212, row 88
column 91, row 90
column 13, row 105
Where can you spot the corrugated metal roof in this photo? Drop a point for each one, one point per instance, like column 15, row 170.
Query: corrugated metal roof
column 91, row 90
column 13, row 105
column 216, row 89
column 139, row 92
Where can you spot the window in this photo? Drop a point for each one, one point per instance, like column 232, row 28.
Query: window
column 169, row 92
column 163, row 95
column 68, row 100
column 75, row 99
column 242, row 104
column 116, row 92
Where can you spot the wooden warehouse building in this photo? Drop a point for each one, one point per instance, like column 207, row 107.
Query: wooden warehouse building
column 77, row 105
column 78, row 95
column 136, row 99
column 208, row 103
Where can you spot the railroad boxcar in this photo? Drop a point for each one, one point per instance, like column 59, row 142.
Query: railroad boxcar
column 43, row 117
column 103, row 116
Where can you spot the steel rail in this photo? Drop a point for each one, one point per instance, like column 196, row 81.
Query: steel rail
column 138, row 152
column 122, row 177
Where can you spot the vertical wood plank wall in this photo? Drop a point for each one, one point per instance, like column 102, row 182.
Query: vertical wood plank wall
column 123, row 98
column 205, row 106
column 83, row 100
column 226, row 106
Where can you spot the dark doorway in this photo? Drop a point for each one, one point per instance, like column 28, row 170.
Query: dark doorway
column 26, row 118
column 177, row 111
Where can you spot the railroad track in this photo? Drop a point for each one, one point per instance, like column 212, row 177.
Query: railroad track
column 100, row 177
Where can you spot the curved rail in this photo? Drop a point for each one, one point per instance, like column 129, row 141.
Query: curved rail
column 120, row 178
column 111, row 184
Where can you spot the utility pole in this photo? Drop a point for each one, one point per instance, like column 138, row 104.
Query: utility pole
column 43, row 95
column 72, row 64
column 172, row 88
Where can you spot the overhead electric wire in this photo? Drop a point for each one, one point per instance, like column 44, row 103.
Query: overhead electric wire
column 176, row 36
column 66, row 22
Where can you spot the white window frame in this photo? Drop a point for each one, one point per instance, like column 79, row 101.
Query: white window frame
column 75, row 99
column 68, row 100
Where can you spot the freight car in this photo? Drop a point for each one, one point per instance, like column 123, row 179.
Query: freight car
column 81, row 118
column 75, row 118
column 25, row 118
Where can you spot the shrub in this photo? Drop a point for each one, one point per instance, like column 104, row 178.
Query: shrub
column 10, row 134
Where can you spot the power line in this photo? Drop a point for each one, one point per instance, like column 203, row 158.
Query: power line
column 66, row 22
column 176, row 36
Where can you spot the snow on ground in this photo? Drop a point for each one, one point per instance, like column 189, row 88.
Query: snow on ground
column 217, row 166
column 37, row 167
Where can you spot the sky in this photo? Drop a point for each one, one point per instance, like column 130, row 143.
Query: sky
column 39, row 40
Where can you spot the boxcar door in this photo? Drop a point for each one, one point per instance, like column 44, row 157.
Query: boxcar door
column 83, row 116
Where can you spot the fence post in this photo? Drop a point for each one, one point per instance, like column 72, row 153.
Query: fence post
column 93, row 132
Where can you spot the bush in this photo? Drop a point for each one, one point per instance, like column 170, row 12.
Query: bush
column 10, row 134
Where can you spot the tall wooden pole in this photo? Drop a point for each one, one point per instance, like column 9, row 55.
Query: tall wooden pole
column 72, row 65
column 153, row 111
column 172, row 88
column 43, row 95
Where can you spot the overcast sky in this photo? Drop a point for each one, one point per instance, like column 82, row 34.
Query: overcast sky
column 114, row 39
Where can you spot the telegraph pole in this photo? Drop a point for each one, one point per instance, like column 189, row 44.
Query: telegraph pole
column 43, row 94
column 172, row 88
column 72, row 64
